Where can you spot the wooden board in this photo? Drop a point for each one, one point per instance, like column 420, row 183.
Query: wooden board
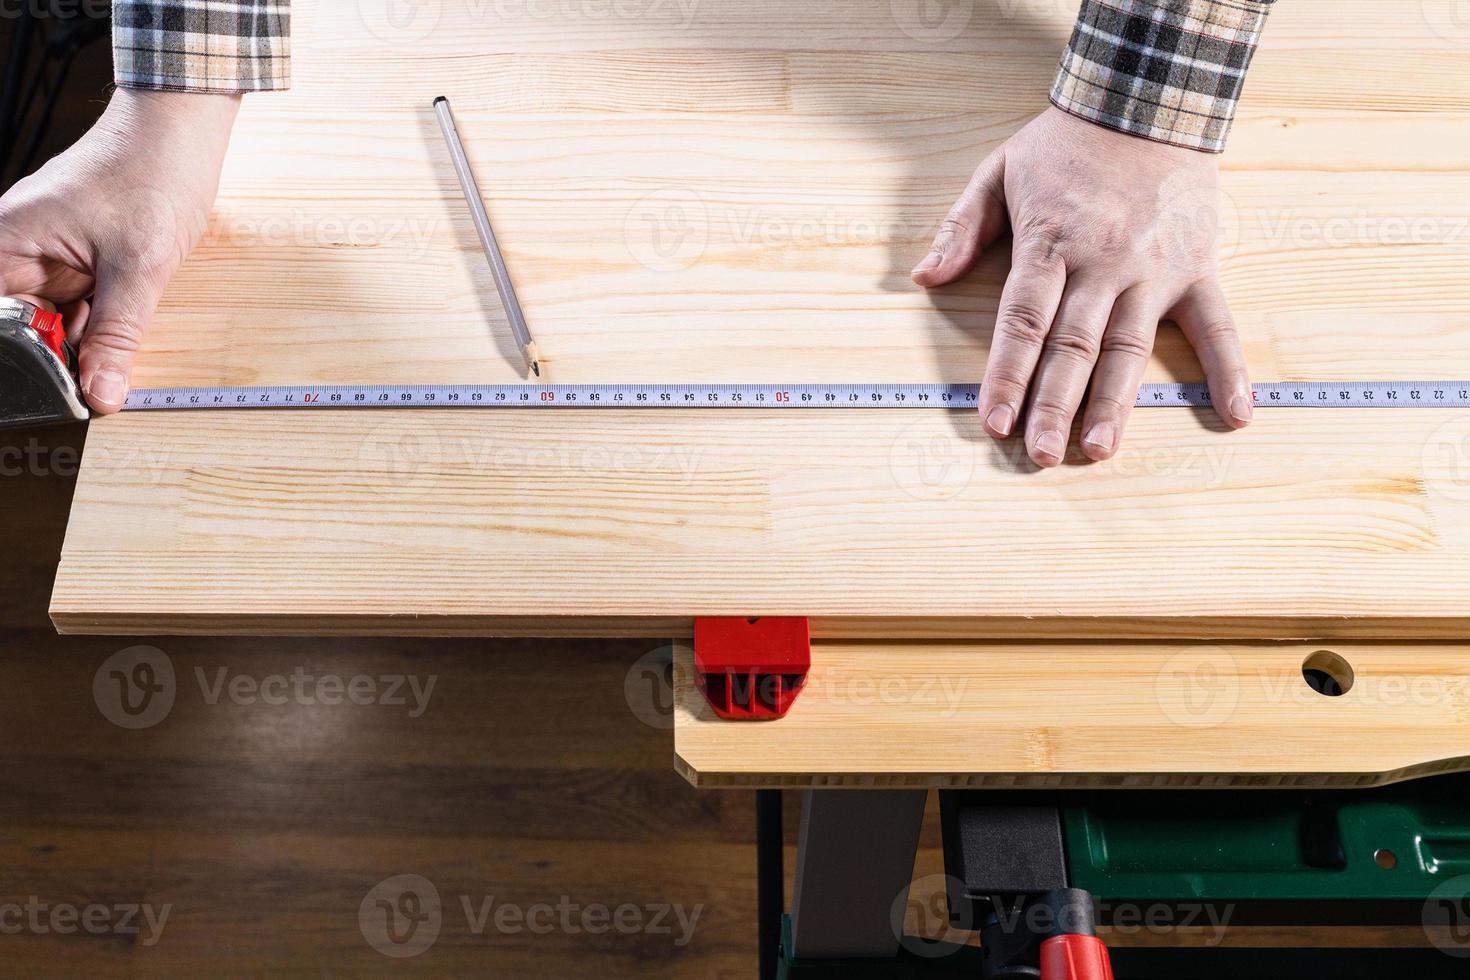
column 736, row 192
column 1090, row 715
column 631, row 523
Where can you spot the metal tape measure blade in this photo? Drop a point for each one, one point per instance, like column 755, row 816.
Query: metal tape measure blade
column 1333, row 394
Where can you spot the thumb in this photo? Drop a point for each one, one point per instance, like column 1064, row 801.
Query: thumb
column 977, row 219
column 120, row 311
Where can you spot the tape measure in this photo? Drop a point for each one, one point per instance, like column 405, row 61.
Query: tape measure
column 1322, row 394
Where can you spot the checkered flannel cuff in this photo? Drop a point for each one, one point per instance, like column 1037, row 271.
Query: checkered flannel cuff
column 226, row 46
column 1168, row 70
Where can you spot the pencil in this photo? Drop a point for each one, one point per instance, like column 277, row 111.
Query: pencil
column 487, row 238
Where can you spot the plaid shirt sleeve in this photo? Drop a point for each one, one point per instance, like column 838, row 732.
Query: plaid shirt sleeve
column 222, row 46
column 1168, row 70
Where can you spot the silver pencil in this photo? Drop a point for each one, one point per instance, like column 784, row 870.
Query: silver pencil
column 487, row 237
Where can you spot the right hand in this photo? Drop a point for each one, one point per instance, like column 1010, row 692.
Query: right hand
column 99, row 230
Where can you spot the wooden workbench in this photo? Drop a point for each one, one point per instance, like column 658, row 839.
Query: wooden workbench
column 735, row 192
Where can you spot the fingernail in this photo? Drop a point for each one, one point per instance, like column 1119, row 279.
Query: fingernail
column 931, row 261
column 1242, row 409
column 108, row 387
column 1001, row 419
column 1102, row 436
column 1051, row 443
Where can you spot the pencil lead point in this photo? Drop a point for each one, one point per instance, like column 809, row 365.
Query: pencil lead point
column 536, row 368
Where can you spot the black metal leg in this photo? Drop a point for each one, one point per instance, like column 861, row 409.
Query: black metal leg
column 854, row 863
column 770, row 858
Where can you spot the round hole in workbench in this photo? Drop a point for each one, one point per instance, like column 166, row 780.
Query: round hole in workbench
column 1328, row 673
column 1385, row 859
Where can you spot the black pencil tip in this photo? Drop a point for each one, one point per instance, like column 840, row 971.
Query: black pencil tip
column 535, row 367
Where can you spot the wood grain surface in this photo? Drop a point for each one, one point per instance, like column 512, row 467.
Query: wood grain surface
column 1068, row 715
column 735, row 192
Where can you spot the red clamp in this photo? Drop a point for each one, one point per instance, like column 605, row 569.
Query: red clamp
column 1074, row 957
column 48, row 325
column 752, row 669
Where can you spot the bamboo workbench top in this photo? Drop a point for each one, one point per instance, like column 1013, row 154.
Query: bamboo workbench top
column 735, row 192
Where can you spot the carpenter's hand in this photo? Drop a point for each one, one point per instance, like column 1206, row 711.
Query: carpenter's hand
column 100, row 229
column 1112, row 233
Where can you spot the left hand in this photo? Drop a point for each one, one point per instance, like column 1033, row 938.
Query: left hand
column 1108, row 241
